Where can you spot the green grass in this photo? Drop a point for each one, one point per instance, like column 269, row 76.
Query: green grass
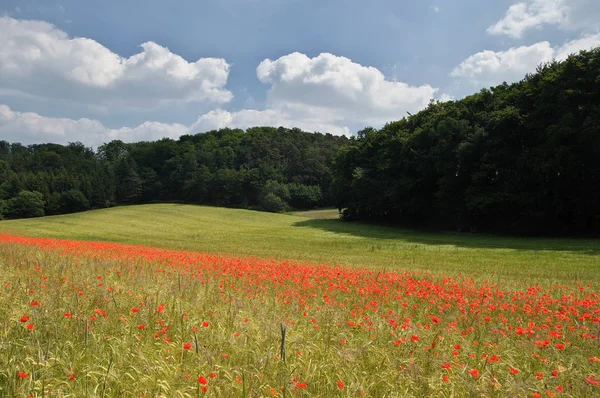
column 323, row 239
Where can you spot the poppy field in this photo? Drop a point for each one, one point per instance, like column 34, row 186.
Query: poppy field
column 82, row 318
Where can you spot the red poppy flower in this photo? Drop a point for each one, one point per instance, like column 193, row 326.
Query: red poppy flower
column 202, row 380
column 474, row 373
column 30, row 326
column 187, row 346
column 23, row 375
column 24, row 318
column 514, row 371
column 341, row 385
column 592, row 380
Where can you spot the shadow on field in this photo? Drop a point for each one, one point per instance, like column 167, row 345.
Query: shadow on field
column 382, row 232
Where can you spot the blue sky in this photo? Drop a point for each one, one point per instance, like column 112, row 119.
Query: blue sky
column 76, row 71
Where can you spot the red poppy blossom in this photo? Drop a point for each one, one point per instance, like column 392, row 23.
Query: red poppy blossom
column 24, row 318
column 592, row 380
column 187, row 346
column 23, row 375
column 202, row 380
column 30, row 326
column 474, row 372
column 341, row 385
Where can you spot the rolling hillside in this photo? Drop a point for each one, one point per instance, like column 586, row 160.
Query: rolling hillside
column 320, row 239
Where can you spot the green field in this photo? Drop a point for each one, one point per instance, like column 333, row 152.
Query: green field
column 319, row 237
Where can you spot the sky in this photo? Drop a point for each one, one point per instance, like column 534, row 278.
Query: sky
column 140, row 70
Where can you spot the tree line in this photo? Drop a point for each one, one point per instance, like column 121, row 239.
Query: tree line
column 519, row 158
column 272, row 169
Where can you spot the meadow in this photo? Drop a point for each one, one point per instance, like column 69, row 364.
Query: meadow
column 178, row 300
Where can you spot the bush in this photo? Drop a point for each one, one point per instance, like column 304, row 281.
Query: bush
column 25, row 205
column 273, row 203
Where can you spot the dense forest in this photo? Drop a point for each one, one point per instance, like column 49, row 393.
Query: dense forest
column 519, row 158
column 265, row 168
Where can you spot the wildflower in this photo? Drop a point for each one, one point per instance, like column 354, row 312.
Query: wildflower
column 205, row 324
column 474, row 372
column 301, row 385
column 23, row 375
column 30, row 326
column 141, row 326
column 539, row 376
column 35, row 303
column 514, row 371
column 72, row 376
column 212, row 375
column 415, row 338
column 592, row 380
column 559, row 388
column 560, row 346
column 187, row 346
column 341, row 385
column 202, row 380
column 161, row 308
column 24, row 318
column 445, row 379
column 68, row 315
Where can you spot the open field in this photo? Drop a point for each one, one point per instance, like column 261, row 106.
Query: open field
column 87, row 310
column 245, row 233
column 110, row 320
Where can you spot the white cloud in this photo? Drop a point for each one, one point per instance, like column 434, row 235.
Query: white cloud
column 29, row 127
column 574, row 46
column 39, row 59
column 250, row 118
column 488, row 68
column 334, row 89
column 532, row 14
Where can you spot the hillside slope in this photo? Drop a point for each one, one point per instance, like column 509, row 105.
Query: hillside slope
column 250, row 233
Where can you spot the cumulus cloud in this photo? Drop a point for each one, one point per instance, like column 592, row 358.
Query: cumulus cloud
column 269, row 117
column 29, row 127
column 38, row 59
column 488, row 68
column 531, row 14
column 335, row 89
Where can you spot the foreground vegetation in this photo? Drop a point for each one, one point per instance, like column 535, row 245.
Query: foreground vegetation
column 104, row 319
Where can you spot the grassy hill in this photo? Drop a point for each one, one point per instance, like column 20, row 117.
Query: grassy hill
column 320, row 237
